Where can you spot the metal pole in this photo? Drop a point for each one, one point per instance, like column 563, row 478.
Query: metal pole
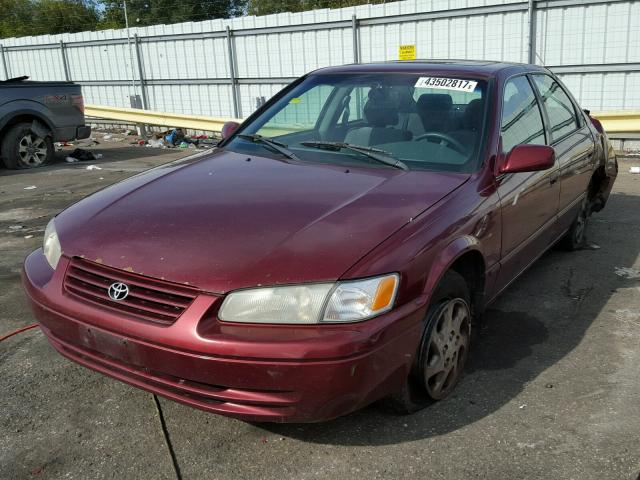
column 65, row 64
column 4, row 63
column 235, row 94
column 531, row 12
column 356, row 42
column 126, row 23
column 143, row 86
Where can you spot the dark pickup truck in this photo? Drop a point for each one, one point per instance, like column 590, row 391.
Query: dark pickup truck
column 34, row 115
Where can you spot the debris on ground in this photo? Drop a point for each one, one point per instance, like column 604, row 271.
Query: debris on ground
column 93, row 167
column 634, row 170
column 16, row 227
column 79, row 155
column 628, row 273
column 592, row 246
column 175, row 136
column 154, row 143
column 32, row 187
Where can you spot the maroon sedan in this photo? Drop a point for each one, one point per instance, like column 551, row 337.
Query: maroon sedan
column 337, row 248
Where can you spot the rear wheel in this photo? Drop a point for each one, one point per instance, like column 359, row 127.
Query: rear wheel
column 575, row 238
column 23, row 148
column 443, row 349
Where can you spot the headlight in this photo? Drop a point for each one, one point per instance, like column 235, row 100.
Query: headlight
column 51, row 244
column 349, row 301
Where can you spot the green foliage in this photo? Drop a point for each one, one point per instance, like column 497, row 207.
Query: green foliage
column 266, row 7
column 154, row 12
column 37, row 17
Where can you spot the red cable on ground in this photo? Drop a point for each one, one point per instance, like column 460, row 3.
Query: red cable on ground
column 15, row 332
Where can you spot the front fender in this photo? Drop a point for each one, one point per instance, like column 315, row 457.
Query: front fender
column 448, row 256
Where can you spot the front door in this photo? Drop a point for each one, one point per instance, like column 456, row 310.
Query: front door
column 529, row 200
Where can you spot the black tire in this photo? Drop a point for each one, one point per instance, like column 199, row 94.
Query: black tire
column 418, row 390
column 575, row 238
column 23, row 148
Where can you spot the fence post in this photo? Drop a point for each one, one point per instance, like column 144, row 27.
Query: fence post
column 235, row 92
column 4, row 63
column 143, row 83
column 65, row 64
column 356, row 39
column 531, row 12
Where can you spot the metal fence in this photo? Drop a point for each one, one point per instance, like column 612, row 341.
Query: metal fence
column 220, row 67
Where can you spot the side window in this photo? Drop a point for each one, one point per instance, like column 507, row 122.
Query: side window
column 300, row 114
column 560, row 110
column 521, row 117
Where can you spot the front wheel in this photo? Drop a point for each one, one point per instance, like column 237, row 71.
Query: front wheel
column 443, row 350
column 23, row 148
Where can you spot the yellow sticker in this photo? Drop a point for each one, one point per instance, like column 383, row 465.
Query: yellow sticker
column 295, row 100
column 407, row 52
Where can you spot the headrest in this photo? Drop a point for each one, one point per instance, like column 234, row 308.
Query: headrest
column 435, row 101
column 380, row 110
column 472, row 114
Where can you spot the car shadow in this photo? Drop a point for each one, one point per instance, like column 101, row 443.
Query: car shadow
column 537, row 322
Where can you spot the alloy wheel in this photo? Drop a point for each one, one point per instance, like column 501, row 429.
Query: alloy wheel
column 448, row 346
column 32, row 150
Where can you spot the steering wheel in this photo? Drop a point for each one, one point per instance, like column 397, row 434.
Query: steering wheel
column 444, row 139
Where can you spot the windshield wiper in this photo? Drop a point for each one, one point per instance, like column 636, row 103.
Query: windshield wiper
column 376, row 154
column 275, row 145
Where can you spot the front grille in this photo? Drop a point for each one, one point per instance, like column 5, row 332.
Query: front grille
column 149, row 299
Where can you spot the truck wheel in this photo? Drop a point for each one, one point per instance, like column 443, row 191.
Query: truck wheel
column 22, row 148
column 443, row 349
column 575, row 238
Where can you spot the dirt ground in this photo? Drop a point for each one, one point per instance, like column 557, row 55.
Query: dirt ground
column 552, row 390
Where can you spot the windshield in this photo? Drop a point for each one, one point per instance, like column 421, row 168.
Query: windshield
column 425, row 121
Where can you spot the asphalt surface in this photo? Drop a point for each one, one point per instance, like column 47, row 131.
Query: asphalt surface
column 552, row 390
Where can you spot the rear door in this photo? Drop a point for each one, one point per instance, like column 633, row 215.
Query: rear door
column 529, row 200
column 571, row 138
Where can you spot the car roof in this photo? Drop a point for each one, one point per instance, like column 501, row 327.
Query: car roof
column 482, row 68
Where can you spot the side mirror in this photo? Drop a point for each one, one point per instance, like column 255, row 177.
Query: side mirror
column 528, row 158
column 228, row 128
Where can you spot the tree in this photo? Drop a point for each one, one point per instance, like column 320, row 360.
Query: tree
column 154, row 12
column 266, row 7
column 37, row 17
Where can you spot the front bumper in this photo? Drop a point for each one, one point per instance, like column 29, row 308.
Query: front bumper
column 252, row 372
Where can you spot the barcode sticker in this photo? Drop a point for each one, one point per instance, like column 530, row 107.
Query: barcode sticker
column 446, row 83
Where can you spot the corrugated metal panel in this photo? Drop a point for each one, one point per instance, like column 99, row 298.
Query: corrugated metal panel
column 574, row 34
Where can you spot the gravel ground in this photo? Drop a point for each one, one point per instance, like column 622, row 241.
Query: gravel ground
column 552, row 390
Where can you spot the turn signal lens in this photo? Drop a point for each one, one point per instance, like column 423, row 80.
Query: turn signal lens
column 384, row 294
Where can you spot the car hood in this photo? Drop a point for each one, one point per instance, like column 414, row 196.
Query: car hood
column 221, row 221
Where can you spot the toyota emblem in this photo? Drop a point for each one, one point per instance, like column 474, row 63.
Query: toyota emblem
column 118, row 291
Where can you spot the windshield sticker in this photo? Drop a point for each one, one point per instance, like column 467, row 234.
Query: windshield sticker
column 446, row 84
column 295, row 100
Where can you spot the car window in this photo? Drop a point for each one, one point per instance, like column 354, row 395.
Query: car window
column 560, row 109
column 521, row 117
column 300, row 114
column 429, row 121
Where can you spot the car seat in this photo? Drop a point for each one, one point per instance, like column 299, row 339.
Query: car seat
column 379, row 112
